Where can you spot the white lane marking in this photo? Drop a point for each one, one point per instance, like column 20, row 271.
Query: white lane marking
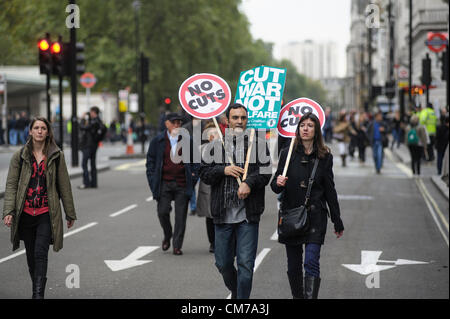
column 149, row 199
column 72, row 232
column 263, row 253
column 405, row 169
column 432, row 212
column 21, row 252
column 274, row 236
column 122, row 211
column 355, row 197
column 435, row 205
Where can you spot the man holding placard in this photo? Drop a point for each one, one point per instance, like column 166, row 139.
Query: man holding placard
column 236, row 207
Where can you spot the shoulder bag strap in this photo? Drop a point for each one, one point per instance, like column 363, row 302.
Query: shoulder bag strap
column 311, row 181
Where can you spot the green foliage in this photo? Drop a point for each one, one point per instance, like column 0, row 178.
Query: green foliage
column 180, row 37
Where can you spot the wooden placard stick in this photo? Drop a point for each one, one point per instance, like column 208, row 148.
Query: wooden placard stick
column 249, row 151
column 288, row 159
column 223, row 143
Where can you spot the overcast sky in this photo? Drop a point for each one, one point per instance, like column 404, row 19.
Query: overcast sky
column 283, row 21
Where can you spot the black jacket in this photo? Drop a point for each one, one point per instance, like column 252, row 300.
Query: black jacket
column 88, row 129
column 323, row 192
column 214, row 174
column 154, row 166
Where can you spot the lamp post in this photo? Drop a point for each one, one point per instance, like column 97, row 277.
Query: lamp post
column 139, row 84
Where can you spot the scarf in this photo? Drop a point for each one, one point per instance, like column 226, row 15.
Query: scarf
column 235, row 148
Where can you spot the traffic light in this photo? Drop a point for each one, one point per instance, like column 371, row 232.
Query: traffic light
column 56, row 50
column 45, row 57
column 167, row 101
column 416, row 91
column 79, row 49
column 426, row 71
column 444, row 65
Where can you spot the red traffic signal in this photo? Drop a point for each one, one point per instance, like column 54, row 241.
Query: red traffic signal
column 55, row 48
column 167, row 100
column 43, row 45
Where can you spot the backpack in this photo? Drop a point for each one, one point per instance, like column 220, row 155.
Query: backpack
column 413, row 139
column 100, row 133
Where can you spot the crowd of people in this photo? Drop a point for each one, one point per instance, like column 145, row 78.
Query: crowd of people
column 355, row 131
column 230, row 195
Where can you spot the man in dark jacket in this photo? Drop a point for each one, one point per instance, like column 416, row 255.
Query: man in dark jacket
column 236, row 209
column 171, row 178
column 90, row 127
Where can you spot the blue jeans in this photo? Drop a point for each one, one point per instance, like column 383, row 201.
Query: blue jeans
column 193, row 201
column 378, row 154
column 240, row 240
column 312, row 255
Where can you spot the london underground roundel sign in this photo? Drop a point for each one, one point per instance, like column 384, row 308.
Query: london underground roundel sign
column 204, row 95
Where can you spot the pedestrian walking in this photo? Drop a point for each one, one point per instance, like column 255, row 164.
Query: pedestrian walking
column 37, row 181
column 308, row 148
column 396, row 130
column 93, row 131
column 376, row 133
column 428, row 118
column 204, row 190
column 441, row 142
column 236, row 209
column 171, row 180
column 417, row 140
column 353, row 133
column 328, row 126
column 341, row 133
column 362, row 140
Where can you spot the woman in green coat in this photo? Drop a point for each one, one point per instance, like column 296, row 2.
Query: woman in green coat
column 37, row 180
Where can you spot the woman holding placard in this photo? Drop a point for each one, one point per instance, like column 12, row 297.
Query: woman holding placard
column 308, row 146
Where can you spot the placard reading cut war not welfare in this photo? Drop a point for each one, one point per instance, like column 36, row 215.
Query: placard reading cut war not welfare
column 260, row 90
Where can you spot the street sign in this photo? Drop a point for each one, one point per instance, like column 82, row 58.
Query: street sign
column 436, row 41
column 260, row 90
column 402, row 72
column 123, row 101
column 134, row 105
column 88, row 80
column 292, row 112
column 204, row 95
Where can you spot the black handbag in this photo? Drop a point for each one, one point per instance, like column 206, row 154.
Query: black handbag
column 295, row 221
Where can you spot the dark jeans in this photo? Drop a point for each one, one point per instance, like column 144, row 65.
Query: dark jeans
column 89, row 154
column 36, row 233
column 210, row 230
column 240, row 240
column 378, row 155
column 170, row 191
column 440, row 160
column 416, row 153
column 430, row 148
column 295, row 259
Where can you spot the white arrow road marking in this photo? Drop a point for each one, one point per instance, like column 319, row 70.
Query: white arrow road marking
column 369, row 260
column 126, row 209
column 132, row 260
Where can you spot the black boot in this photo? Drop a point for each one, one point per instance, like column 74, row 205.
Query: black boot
column 296, row 283
column 39, row 287
column 311, row 287
column 343, row 160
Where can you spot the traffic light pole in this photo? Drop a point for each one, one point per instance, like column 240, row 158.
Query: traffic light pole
column 73, row 86
column 49, row 111
column 61, row 119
